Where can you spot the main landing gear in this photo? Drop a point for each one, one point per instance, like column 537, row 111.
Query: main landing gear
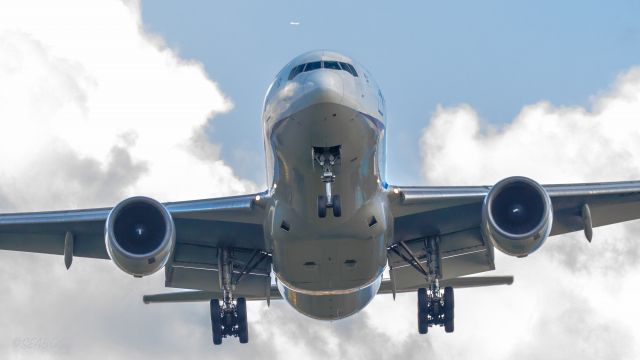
column 229, row 316
column 229, row 320
column 435, row 306
column 328, row 157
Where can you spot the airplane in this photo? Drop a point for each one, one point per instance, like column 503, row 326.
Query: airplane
column 329, row 225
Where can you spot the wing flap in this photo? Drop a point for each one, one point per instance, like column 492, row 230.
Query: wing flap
column 385, row 288
column 195, row 266
column 198, row 295
column 463, row 253
column 208, row 280
column 457, row 283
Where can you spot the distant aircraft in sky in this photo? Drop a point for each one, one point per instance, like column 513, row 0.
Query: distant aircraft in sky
column 329, row 224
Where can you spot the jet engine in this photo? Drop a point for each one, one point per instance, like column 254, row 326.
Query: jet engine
column 517, row 216
column 140, row 235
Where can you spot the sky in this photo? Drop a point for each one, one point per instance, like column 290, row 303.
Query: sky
column 103, row 100
column 496, row 56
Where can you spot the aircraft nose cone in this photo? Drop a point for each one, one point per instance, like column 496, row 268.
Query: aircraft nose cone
column 323, row 86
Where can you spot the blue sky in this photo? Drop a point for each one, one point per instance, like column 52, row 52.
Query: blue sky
column 496, row 56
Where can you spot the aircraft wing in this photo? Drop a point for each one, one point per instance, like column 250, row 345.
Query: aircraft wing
column 454, row 213
column 45, row 232
column 202, row 227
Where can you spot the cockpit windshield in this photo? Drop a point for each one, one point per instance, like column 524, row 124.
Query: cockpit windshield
column 333, row 65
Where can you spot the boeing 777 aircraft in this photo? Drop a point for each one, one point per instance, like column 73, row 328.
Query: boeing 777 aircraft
column 329, row 224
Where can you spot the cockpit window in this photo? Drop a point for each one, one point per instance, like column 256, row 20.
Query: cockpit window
column 313, row 66
column 333, row 65
column 295, row 71
column 349, row 68
column 353, row 70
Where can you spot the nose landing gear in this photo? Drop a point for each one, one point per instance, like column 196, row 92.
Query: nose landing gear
column 335, row 205
column 328, row 157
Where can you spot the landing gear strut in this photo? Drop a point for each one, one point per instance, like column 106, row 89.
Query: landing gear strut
column 328, row 157
column 229, row 316
column 435, row 306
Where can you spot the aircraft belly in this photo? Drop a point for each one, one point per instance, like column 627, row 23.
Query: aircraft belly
column 330, row 306
column 342, row 253
column 328, row 267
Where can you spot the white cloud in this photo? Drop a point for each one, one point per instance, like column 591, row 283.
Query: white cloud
column 571, row 299
column 550, row 144
column 93, row 104
column 93, row 109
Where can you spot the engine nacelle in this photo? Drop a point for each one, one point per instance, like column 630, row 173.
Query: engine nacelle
column 140, row 235
column 517, row 216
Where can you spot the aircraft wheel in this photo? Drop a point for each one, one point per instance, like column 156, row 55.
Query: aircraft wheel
column 448, row 309
column 216, row 321
column 337, row 206
column 423, row 327
column 322, row 206
column 243, row 328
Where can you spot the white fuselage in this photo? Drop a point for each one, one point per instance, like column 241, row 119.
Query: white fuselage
column 330, row 267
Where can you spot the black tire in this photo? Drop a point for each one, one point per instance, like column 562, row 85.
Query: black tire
column 337, row 206
column 423, row 327
column 243, row 327
column 216, row 321
column 322, row 206
column 448, row 309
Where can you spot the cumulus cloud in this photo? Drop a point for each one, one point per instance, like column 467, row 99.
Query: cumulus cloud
column 548, row 143
column 94, row 105
column 589, row 315
column 552, row 145
column 94, row 109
